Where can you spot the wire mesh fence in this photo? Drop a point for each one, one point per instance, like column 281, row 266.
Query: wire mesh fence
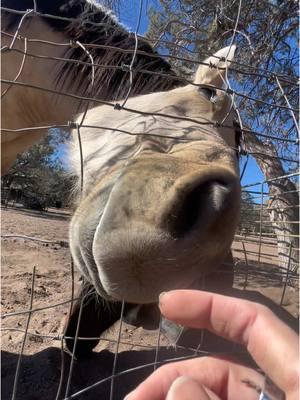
column 264, row 264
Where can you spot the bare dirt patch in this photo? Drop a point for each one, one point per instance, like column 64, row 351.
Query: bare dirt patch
column 41, row 364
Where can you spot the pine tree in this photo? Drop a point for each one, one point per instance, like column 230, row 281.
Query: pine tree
column 39, row 175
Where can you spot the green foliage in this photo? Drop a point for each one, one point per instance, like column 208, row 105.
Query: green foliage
column 38, row 175
column 249, row 215
column 254, row 217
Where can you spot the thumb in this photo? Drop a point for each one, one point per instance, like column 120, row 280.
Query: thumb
column 186, row 388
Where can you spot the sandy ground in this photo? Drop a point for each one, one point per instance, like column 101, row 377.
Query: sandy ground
column 41, row 363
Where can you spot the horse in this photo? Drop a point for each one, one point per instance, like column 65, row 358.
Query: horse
column 158, row 171
column 56, row 31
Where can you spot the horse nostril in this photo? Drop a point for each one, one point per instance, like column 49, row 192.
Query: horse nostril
column 198, row 207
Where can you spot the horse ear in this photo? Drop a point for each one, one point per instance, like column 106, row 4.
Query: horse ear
column 213, row 75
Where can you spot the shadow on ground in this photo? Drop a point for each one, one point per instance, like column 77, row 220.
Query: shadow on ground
column 40, row 373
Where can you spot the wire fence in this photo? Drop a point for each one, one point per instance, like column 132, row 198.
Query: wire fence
column 265, row 251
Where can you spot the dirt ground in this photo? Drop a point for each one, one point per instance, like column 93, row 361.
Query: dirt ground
column 41, row 363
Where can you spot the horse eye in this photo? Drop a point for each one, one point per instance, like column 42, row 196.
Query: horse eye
column 209, row 93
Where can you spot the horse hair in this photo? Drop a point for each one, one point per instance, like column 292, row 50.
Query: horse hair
column 112, row 83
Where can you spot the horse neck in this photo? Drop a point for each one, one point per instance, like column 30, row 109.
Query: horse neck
column 25, row 106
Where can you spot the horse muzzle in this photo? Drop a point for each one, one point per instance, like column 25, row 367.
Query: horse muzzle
column 162, row 225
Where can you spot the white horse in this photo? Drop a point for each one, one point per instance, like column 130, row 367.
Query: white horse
column 161, row 190
column 160, row 180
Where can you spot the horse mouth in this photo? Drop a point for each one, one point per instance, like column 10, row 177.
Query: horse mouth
column 135, row 264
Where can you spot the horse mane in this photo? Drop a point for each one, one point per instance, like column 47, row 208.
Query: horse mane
column 93, row 24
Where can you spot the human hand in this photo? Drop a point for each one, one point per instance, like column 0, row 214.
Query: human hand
column 271, row 343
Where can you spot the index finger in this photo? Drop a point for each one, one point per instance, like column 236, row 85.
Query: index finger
column 272, row 344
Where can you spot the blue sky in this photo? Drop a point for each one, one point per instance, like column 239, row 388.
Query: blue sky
column 129, row 13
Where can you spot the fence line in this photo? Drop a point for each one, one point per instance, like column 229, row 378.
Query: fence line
column 244, row 266
column 264, row 73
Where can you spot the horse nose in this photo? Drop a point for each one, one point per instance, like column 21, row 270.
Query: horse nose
column 163, row 231
column 198, row 202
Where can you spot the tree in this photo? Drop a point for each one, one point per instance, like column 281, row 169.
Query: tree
column 249, row 215
column 40, row 176
column 283, row 205
column 265, row 32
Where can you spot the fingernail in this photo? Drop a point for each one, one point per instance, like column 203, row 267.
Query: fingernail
column 161, row 297
column 186, row 388
column 172, row 393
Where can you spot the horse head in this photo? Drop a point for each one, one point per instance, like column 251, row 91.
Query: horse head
column 161, row 191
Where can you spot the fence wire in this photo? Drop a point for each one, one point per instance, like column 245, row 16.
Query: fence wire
column 265, row 255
